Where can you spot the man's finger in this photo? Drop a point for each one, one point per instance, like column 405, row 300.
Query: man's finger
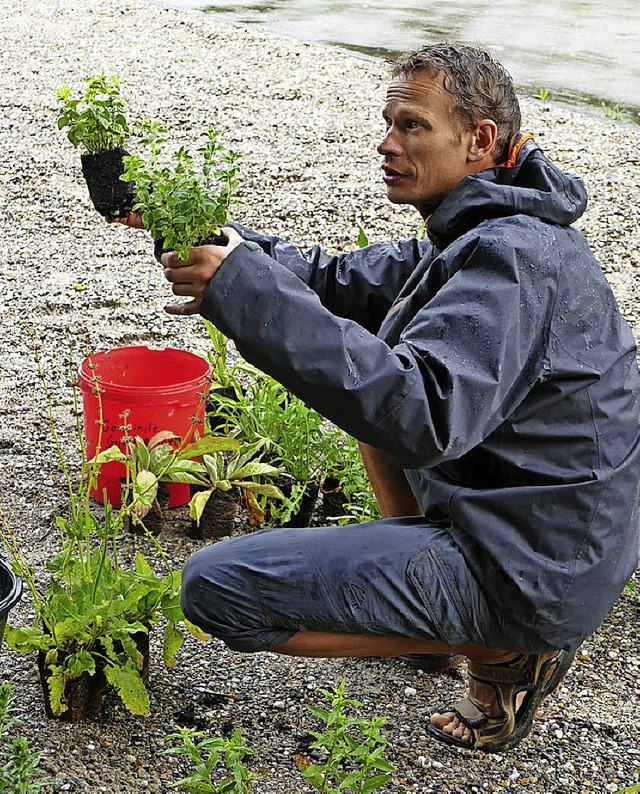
column 171, row 259
column 179, row 275
column 183, row 309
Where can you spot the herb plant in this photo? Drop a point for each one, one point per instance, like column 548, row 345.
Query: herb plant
column 207, row 754
column 18, row 764
column 186, row 200
column 159, row 460
column 354, row 748
column 97, row 121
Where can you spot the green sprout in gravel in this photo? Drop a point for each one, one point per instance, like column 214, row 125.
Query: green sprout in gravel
column 631, row 789
column 354, row 749
column 183, row 202
column 18, row 765
column 96, row 121
column 207, row 754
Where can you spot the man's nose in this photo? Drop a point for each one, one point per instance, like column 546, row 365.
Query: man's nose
column 389, row 145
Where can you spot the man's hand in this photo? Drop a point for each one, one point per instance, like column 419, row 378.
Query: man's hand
column 191, row 277
column 133, row 219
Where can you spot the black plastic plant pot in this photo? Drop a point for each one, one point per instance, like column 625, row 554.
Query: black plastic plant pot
column 10, row 592
column 307, row 507
column 212, row 239
column 111, row 197
column 218, row 517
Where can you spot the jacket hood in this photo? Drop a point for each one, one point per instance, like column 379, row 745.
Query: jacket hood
column 527, row 184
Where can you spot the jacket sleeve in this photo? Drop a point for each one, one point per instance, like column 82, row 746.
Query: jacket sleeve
column 361, row 285
column 462, row 358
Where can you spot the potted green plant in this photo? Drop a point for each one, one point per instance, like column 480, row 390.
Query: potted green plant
column 96, row 123
column 184, row 200
column 150, row 465
column 214, row 505
column 296, row 439
column 92, row 619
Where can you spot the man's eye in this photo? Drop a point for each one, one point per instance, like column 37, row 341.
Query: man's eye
column 411, row 124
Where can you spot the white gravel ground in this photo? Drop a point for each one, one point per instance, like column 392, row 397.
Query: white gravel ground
column 306, row 120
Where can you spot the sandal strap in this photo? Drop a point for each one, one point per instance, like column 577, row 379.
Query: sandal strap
column 467, row 711
column 502, row 674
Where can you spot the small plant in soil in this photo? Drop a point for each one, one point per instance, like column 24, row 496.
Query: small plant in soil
column 97, row 124
column 184, row 201
column 295, row 439
column 218, row 474
column 210, row 755
column 353, row 746
column 346, row 472
column 19, row 766
column 165, row 458
column 92, row 621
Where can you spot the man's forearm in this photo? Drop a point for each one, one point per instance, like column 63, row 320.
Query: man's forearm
column 395, row 497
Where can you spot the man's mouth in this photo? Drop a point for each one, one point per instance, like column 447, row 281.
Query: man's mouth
column 391, row 177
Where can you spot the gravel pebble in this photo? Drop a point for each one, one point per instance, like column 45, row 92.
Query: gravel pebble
column 306, row 120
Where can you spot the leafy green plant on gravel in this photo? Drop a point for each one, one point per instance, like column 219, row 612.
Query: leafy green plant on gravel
column 19, row 766
column 543, row 94
column 89, row 617
column 635, row 789
column 209, row 755
column 354, row 748
column 217, row 473
column 164, row 458
column 96, row 121
column 183, row 200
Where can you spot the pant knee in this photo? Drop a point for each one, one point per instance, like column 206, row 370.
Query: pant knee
column 219, row 594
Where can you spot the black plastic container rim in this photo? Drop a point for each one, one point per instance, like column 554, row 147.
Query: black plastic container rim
column 16, row 589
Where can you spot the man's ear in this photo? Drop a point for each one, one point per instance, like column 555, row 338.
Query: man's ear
column 483, row 142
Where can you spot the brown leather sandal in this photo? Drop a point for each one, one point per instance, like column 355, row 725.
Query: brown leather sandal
column 535, row 675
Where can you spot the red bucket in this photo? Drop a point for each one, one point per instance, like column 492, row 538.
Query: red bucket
column 161, row 389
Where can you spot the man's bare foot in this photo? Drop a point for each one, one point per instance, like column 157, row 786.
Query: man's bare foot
column 484, row 697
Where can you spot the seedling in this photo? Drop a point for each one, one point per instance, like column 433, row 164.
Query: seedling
column 208, row 754
column 543, row 94
column 354, row 749
column 18, row 765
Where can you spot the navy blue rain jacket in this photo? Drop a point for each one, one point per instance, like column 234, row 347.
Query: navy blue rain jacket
column 491, row 363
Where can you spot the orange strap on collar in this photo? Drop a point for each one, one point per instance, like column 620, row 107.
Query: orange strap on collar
column 514, row 150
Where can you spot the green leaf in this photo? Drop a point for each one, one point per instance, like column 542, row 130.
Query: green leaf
column 376, row 782
column 129, row 686
column 173, row 641
column 142, row 566
column 171, row 608
column 252, row 470
column 27, row 640
column 196, row 631
column 81, row 662
column 264, row 489
column 198, row 503
column 208, row 445
column 56, row 686
column 363, row 240
column 108, row 455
